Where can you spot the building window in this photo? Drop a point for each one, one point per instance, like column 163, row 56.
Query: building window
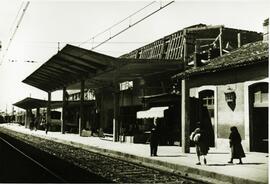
column 88, row 95
column 208, row 101
column 126, row 85
column 261, row 95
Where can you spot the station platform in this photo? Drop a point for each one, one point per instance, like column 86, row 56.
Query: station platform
column 170, row 158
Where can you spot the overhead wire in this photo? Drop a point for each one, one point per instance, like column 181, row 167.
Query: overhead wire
column 16, row 17
column 16, row 28
column 118, row 33
column 116, row 24
column 108, row 29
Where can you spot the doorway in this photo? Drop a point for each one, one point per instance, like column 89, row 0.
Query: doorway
column 207, row 119
column 258, row 111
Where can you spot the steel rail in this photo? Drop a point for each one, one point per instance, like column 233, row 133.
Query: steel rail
column 33, row 160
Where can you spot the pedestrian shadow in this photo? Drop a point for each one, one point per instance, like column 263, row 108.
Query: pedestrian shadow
column 218, row 164
column 171, row 156
column 235, row 164
column 221, row 153
column 258, row 163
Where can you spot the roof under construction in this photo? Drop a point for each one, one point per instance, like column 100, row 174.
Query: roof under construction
column 206, row 36
column 249, row 54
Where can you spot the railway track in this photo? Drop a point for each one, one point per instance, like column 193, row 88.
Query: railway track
column 23, row 163
column 109, row 168
column 9, row 153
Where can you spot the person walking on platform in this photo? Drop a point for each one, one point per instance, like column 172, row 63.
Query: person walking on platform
column 47, row 126
column 198, row 136
column 154, row 140
column 237, row 151
column 37, row 122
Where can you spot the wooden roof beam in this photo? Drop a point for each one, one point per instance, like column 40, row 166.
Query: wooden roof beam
column 73, row 66
column 50, row 77
column 40, row 80
column 79, row 61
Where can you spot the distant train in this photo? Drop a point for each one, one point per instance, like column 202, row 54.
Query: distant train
column 6, row 119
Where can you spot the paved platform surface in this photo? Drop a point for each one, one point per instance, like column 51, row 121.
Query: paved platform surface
column 170, row 158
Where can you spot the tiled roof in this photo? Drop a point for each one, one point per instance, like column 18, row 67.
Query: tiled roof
column 249, row 54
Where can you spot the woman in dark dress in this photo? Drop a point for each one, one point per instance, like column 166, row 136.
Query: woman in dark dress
column 200, row 139
column 237, row 151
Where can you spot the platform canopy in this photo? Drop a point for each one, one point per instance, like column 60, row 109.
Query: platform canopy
column 72, row 64
column 154, row 112
column 131, row 69
column 68, row 66
column 161, row 97
column 32, row 103
column 139, row 68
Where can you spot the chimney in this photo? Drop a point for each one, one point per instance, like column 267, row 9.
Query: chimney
column 266, row 30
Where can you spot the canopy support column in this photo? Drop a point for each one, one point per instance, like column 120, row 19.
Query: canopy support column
column 48, row 116
column 26, row 115
column 63, row 111
column 185, row 119
column 37, row 111
column 116, row 115
column 82, row 119
column 27, row 118
column 37, row 120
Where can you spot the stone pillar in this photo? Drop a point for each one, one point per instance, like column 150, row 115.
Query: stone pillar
column 185, row 120
column 82, row 119
column 63, row 111
column 48, row 116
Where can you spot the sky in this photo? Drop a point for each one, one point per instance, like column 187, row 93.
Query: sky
column 47, row 22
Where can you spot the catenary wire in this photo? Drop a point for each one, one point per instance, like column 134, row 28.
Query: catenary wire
column 150, row 14
column 114, row 25
column 15, row 30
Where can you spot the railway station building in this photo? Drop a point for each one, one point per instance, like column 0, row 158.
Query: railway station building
column 231, row 91
column 128, row 92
